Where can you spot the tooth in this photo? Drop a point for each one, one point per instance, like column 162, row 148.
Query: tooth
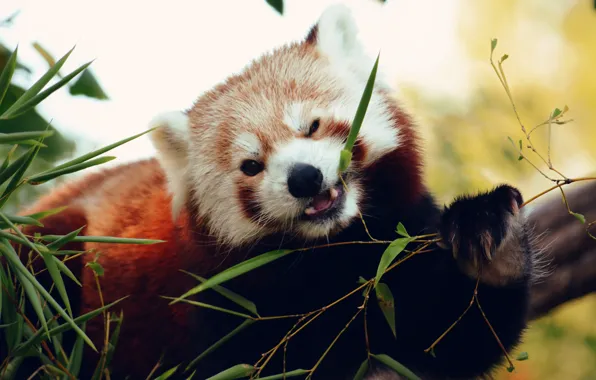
column 310, row 211
column 334, row 193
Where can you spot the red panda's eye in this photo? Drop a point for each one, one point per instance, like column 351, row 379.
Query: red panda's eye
column 251, row 167
column 314, row 126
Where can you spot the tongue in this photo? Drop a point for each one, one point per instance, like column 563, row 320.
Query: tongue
column 322, row 201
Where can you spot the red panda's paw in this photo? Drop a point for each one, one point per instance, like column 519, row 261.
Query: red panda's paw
column 486, row 234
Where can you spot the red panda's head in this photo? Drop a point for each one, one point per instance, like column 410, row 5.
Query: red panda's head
column 259, row 153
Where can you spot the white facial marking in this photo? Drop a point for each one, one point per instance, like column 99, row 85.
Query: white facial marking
column 249, row 143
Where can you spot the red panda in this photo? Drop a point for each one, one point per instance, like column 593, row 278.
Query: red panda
column 252, row 167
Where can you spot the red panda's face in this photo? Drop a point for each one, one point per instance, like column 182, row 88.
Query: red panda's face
column 264, row 147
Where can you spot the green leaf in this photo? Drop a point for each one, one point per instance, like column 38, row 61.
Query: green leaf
column 88, row 86
column 236, row 372
column 362, row 370
column 556, row 113
column 387, row 304
column 296, row 372
column 236, row 270
column 7, row 73
column 504, row 57
column 522, row 356
column 401, row 230
column 234, row 297
column 359, row 117
column 520, row 145
column 220, row 342
column 396, row 366
column 31, row 103
column 394, row 249
column 579, row 217
column 76, row 356
column 95, row 267
column 57, row 244
column 16, row 263
column 22, row 220
column 212, row 307
column 493, row 45
column 278, row 5
column 18, row 172
column 45, row 214
column 510, row 368
column 97, row 152
column 34, row 299
column 520, row 158
column 167, row 373
column 37, row 86
column 51, row 174
column 37, row 338
column 110, row 351
column 102, row 239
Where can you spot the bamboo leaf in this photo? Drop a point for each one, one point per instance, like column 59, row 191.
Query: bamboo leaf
column 17, row 137
column 97, row 152
column 401, row 230
column 76, row 356
column 220, row 342
column 7, row 73
column 236, row 270
column 37, row 338
column 36, row 87
column 394, row 249
column 387, row 304
column 31, row 103
column 47, row 176
column 234, row 297
column 59, row 243
column 278, row 5
column 362, row 370
column 102, row 239
column 236, row 372
column 16, row 263
column 396, row 366
column 296, row 372
column 22, row 220
column 212, row 307
column 167, row 374
column 45, row 214
column 34, row 299
column 345, row 158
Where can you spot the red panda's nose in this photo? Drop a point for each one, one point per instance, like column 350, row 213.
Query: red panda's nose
column 304, row 181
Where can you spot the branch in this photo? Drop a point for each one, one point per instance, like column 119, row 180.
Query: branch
column 567, row 245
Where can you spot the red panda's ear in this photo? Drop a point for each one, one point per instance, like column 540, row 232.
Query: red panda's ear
column 336, row 35
column 170, row 139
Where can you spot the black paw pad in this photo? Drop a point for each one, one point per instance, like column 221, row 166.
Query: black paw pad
column 474, row 226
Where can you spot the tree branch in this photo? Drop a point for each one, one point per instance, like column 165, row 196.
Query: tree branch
column 567, row 246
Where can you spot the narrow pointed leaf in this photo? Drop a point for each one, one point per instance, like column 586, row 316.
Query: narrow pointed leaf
column 167, row 374
column 97, row 152
column 387, row 304
column 31, row 103
column 220, row 342
column 345, row 158
column 13, row 138
column 45, row 214
column 236, row 372
column 45, row 55
column 234, row 297
column 76, row 356
column 396, row 366
column 7, row 73
column 37, row 86
column 18, row 174
column 296, row 372
column 59, row 243
column 212, row 307
column 88, row 86
column 362, row 370
column 47, row 176
column 236, row 270
column 16, row 263
column 278, row 5
column 34, row 299
column 394, row 249
column 401, row 230
column 22, row 220
column 38, row 337
column 579, row 217
column 103, row 239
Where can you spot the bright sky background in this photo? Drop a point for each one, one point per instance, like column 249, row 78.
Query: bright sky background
column 155, row 56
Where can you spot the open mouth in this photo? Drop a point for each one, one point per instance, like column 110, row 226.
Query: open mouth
column 325, row 204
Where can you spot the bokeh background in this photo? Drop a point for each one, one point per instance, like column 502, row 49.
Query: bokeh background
column 157, row 56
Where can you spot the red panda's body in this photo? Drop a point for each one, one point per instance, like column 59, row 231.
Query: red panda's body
column 252, row 167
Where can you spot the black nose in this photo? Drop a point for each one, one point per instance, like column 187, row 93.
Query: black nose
column 305, row 181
